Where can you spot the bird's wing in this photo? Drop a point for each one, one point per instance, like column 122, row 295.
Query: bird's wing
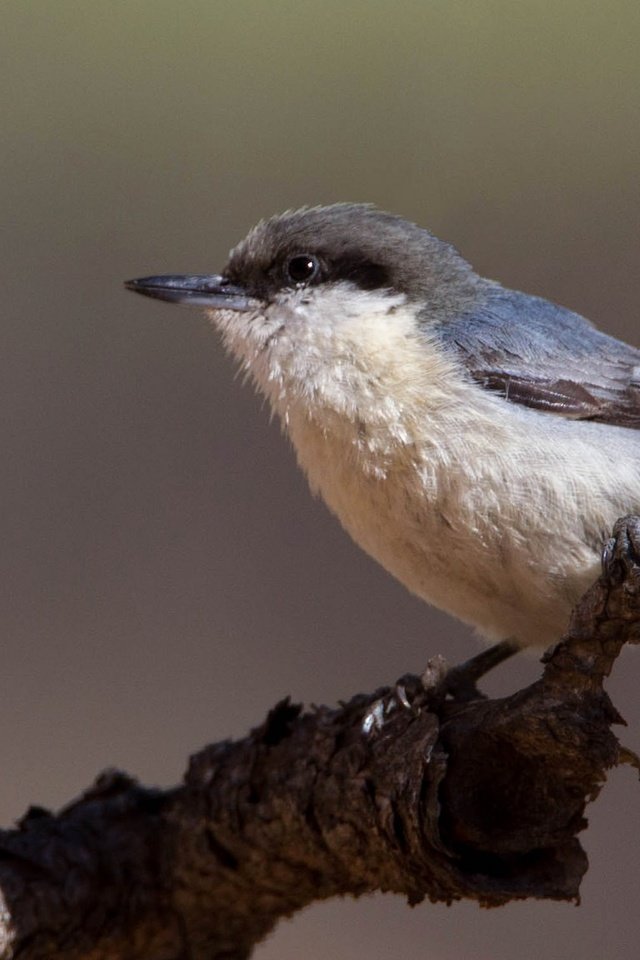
column 538, row 354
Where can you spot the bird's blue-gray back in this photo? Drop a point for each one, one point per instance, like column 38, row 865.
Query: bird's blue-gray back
column 536, row 353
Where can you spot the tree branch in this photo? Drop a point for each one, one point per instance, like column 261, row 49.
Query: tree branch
column 401, row 790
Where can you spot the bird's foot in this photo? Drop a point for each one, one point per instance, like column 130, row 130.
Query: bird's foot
column 461, row 682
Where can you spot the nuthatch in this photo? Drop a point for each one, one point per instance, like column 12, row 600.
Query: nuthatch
column 460, row 431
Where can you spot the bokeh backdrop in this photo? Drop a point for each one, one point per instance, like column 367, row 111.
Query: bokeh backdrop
column 165, row 574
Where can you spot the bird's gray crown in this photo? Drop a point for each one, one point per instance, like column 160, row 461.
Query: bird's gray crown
column 349, row 242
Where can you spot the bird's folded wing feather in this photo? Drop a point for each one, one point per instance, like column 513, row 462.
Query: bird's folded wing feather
column 541, row 355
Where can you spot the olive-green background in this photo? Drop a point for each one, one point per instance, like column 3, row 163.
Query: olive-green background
column 165, row 574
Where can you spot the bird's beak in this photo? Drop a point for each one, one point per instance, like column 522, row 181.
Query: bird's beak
column 215, row 291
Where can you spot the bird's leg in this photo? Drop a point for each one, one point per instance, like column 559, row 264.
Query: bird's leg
column 460, row 682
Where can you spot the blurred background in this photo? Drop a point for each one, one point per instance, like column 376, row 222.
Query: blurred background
column 165, row 574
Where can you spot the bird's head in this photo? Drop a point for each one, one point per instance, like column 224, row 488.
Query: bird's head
column 312, row 296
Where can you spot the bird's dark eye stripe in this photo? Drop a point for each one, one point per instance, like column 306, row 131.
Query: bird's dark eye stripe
column 364, row 273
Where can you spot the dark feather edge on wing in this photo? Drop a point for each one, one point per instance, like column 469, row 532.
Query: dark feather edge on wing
column 535, row 353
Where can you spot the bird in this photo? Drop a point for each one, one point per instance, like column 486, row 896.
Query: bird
column 478, row 442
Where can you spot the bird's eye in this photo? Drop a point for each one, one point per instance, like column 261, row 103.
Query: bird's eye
column 302, row 268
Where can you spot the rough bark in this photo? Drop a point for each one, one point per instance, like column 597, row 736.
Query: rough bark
column 403, row 790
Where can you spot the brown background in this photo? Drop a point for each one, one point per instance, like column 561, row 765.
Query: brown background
column 165, row 574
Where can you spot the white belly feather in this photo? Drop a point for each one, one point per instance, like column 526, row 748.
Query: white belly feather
column 500, row 545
